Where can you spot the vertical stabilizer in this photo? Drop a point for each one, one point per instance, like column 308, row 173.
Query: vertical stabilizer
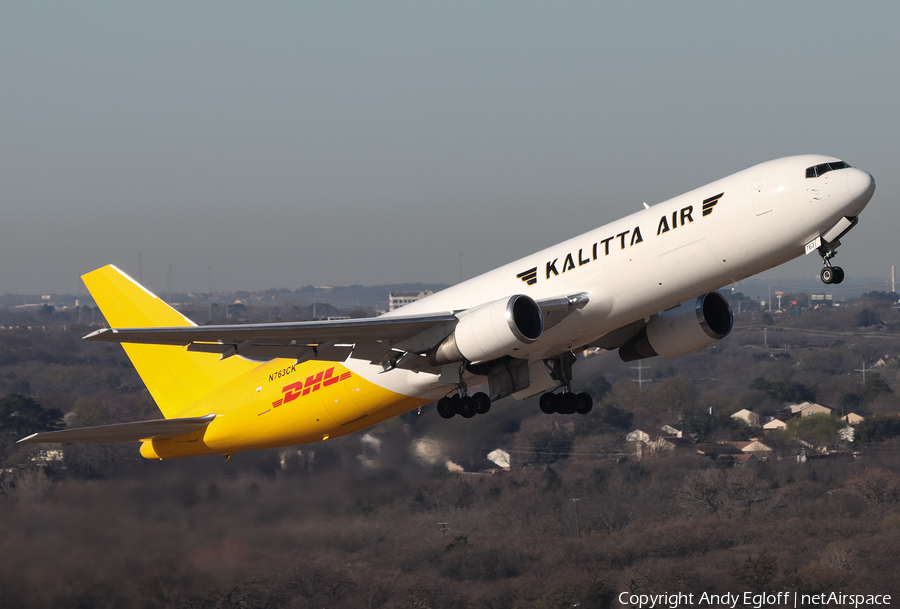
column 175, row 377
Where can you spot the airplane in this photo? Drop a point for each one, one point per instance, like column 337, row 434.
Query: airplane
column 644, row 285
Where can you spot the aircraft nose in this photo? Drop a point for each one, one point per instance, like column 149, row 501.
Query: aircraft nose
column 861, row 185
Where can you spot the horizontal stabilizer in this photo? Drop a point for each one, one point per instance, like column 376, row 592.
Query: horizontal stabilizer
column 138, row 431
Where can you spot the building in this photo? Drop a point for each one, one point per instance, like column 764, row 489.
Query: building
column 852, row 419
column 747, row 416
column 753, row 447
column 398, row 299
column 806, row 409
column 775, row 424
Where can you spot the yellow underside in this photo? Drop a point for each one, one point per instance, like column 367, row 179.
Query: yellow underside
column 264, row 410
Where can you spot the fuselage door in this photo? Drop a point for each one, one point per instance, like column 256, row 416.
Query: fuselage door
column 759, row 194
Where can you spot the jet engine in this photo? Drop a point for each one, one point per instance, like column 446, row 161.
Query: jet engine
column 688, row 327
column 491, row 330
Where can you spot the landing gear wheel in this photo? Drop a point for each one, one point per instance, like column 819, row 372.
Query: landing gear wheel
column 838, row 274
column 585, row 403
column 568, row 404
column 467, row 407
column 548, row 403
column 827, row 275
column 446, row 408
column 482, row 401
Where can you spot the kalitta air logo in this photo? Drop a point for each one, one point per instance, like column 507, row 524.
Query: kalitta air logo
column 709, row 203
column 293, row 391
column 620, row 241
column 529, row 276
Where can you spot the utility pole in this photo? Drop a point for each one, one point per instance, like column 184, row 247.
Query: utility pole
column 169, row 282
column 863, row 370
column 460, row 266
column 577, row 529
column 640, row 379
column 444, row 529
column 209, row 276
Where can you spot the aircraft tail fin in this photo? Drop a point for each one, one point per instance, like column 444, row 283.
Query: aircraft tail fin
column 175, row 377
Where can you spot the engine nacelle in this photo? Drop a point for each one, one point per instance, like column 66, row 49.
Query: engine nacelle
column 491, row 330
column 684, row 329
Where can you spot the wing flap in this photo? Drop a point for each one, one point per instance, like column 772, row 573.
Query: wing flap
column 138, row 431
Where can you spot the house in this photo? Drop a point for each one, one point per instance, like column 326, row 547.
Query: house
column 669, row 444
column 500, row 458
column 747, row 416
column 775, row 424
column 638, row 436
column 815, row 409
column 753, row 447
column 806, row 409
column 671, row 431
column 853, row 419
column 641, row 442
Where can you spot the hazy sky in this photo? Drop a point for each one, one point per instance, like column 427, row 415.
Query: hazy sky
column 295, row 143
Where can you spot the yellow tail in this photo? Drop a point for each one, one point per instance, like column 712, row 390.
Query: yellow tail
column 175, row 377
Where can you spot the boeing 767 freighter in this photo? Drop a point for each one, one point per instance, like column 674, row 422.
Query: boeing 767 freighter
column 644, row 285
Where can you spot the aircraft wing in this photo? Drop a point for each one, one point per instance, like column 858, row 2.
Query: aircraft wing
column 138, row 431
column 323, row 340
column 376, row 339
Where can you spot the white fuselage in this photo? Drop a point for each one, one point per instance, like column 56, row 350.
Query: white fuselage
column 656, row 258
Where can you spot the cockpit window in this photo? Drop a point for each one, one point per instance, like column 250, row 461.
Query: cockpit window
column 818, row 170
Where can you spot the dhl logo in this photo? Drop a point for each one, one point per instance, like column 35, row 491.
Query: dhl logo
column 312, row 383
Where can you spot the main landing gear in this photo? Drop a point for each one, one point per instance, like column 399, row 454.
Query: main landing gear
column 566, row 403
column 830, row 274
column 464, row 405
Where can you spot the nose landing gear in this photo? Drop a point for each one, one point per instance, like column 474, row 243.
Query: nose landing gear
column 830, row 274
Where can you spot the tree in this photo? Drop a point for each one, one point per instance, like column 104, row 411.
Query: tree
column 877, row 428
column 874, row 387
column 550, row 445
column 23, row 415
column 758, row 574
column 599, row 387
column 674, row 395
column 704, row 490
column 867, row 318
column 820, row 430
column 875, row 485
column 783, row 391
